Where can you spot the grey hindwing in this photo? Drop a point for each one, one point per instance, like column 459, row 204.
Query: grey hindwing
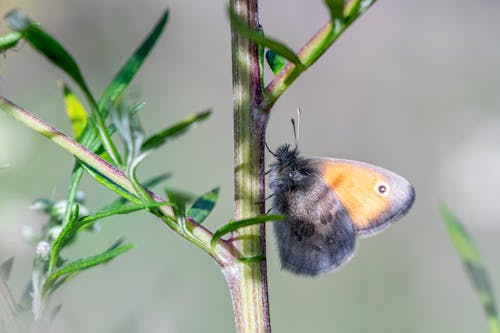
column 317, row 235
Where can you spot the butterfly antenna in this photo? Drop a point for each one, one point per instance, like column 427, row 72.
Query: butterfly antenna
column 296, row 128
column 269, row 150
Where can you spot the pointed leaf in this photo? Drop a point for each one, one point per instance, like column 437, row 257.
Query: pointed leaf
column 120, row 210
column 275, row 61
column 6, row 268
column 235, row 225
column 336, row 8
column 84, row 263
column 179, row 200
column 258, row 37
column 147, row 184
column 75, row 111
column 47, row 45
column 160, row 138
column 99, row 177
column 128, row 71
column 9, row 40
column 203, row 206
column 473, row 266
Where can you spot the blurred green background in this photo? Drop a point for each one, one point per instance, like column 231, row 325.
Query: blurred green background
column 412, row 86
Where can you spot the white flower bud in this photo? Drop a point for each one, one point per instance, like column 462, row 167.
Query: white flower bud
column 43, row 250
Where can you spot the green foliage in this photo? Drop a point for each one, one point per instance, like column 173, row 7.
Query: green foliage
column 203, row 206
column 473, row 265
column 258, row 37
column 75, row 111
column 97, row 154
column 160, row 138
column 67, row 218
column 275, row 61
column 235, row 225
column 336, row 8
column 77, row 266
column 123, row 78
column 9, row 41
column 47, row 45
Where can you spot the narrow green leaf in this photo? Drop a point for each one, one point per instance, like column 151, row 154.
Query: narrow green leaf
column 275, row 61
column 147, row 184
column 179, row 194
column 75, row 111
column 5, row 268
column 128, row 71
column 181, row 127
column 121, row 210
column 55, row 52
column 179, row 200
column 103, row 180
column 84, row 263
column 9, row 40
column 203, row 206
column 235, row 225
column 65, row 236
column 47, row 45
column 258, row 37
column 336, row 8
column 473, row 266
column 76, row 177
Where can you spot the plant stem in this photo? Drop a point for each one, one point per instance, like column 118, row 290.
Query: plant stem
column 247, row 280
column 199, row 235
column 312, row 51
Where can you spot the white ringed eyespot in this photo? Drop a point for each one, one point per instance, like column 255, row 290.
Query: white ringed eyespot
column 382, row 189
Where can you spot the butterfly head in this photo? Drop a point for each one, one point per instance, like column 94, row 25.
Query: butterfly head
column 289, row 169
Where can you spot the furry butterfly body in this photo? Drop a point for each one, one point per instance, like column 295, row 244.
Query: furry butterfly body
column 327, row 203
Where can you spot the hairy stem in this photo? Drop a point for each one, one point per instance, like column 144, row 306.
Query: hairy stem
column 247, row 280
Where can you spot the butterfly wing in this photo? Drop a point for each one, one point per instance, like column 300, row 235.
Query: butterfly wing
column 317, row 235
column 373, row 197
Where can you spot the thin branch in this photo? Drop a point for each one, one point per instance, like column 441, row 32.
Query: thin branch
column 312, row 51
column 223, row 253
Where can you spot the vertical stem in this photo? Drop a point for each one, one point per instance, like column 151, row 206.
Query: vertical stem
column 248, row 280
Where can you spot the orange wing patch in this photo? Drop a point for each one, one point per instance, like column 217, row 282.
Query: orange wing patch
column 354, row 186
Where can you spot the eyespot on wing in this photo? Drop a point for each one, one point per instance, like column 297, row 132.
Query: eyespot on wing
column 372, row 196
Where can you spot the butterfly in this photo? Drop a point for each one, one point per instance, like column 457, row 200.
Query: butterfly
column 327, row 203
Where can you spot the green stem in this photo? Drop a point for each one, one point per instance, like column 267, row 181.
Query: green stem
column 247, row 281
column 223, row 252
column 311, row 52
